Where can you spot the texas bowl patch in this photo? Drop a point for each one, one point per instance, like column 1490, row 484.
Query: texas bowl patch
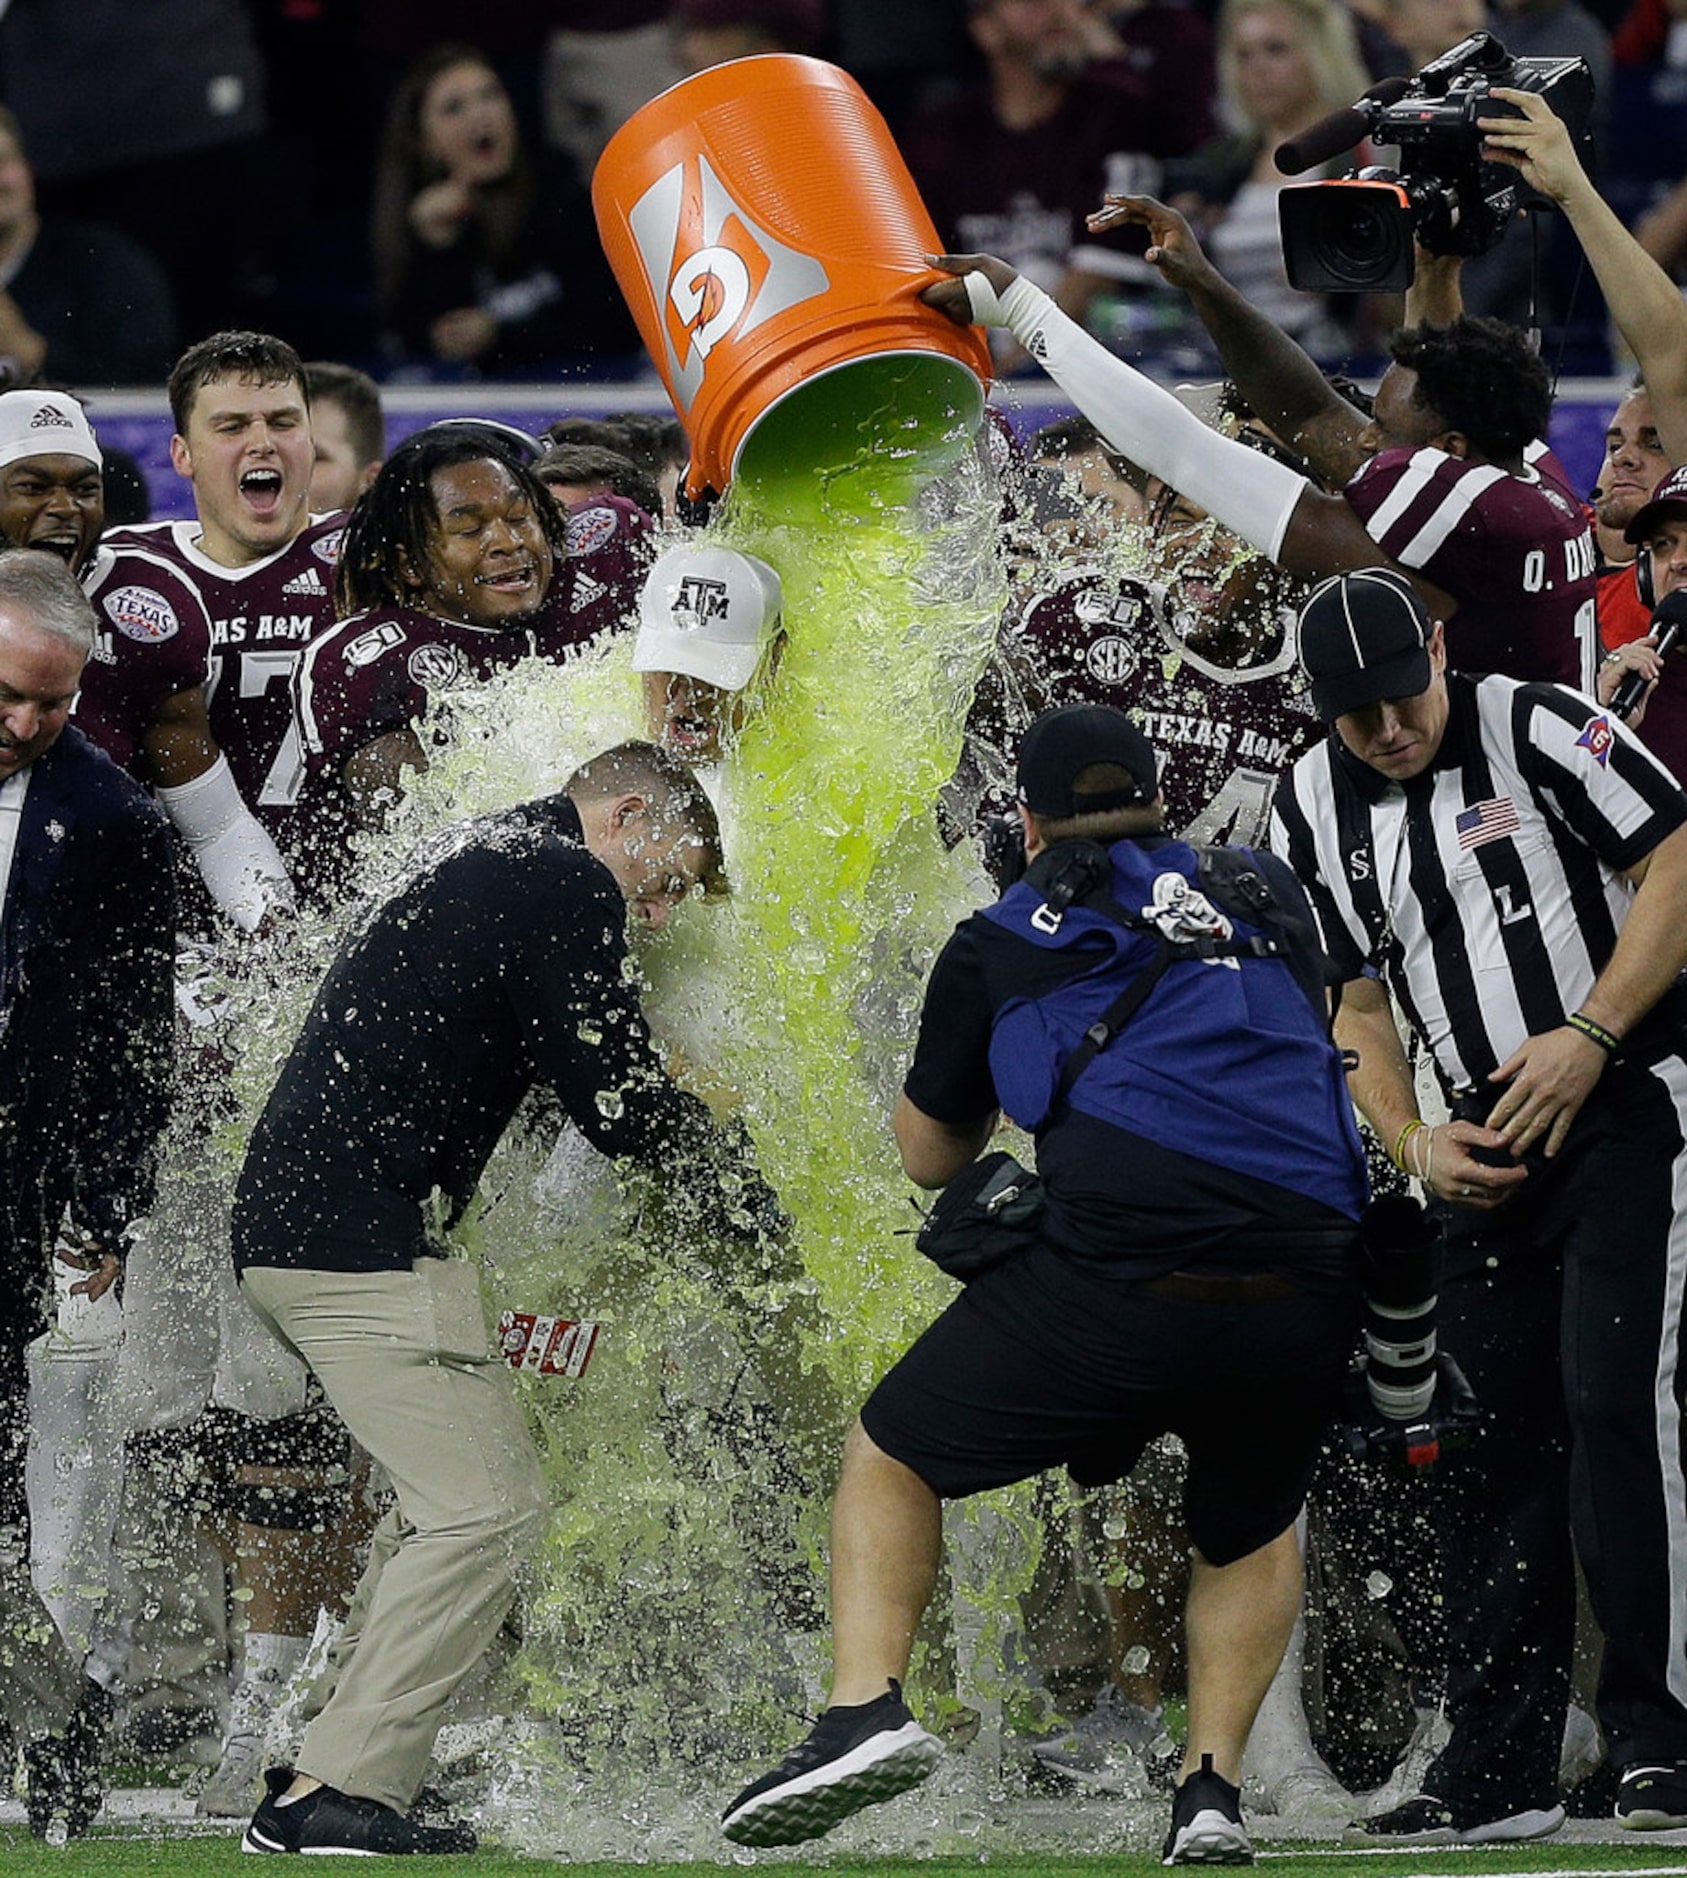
column 591, row 528
column 326, row 548
column 142, row 613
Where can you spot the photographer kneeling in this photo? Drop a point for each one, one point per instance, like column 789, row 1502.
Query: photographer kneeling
column 1154, row 1015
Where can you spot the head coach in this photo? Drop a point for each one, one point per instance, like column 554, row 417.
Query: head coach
column 499, row 966
column 1510, row 863
column 1203, row 1177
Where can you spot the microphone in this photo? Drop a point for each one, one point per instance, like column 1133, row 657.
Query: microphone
column 1667, row 622
column 1340, row 131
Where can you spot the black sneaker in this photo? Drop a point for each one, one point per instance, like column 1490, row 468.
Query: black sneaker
column 855, row 1757
column 1429, row 1821
column 1653, row 1798
column 64, row 1788
column 1207, row 1824
column 329, row 1822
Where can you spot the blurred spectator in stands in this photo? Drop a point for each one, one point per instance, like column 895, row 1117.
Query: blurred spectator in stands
column 603, row 59
column 1282, row 64
column 152, row 117
column 1649, row 102
column 903, row 57
column 80, row 303
column 1069, row 108
column 484, row 257
column 580, row 472
column 1421, row 30
column 709, row 32
column 1662, row 231
column 349, row 430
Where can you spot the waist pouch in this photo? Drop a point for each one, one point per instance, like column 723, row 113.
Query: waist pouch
column 985, row 1215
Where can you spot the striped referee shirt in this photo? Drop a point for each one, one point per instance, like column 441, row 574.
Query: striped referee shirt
column 1488, row 890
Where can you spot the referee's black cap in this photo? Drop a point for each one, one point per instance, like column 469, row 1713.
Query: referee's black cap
column 1669, row 499
column 1364, row 636
column 1060, row 745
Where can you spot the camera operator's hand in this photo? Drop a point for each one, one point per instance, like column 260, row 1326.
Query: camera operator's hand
column 1172, row 246
column 1639, row 655
column 1441, row 1158
column 1548, row 1080
column 951, row 296
column 1537, row 143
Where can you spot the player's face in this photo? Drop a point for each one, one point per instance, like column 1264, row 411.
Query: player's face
column 337, row 478
column 17, row 183
column 54, row 502
column 467, row 124
column 693, row 719
column 1634, row 464
column 489, row 562
column 1273, row 74
column 1398, row 421
column 1398, row 737
column 1669, row 556
column 39, row 676
column 249, row 454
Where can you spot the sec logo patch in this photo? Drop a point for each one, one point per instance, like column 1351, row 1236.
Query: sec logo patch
column 436, row 665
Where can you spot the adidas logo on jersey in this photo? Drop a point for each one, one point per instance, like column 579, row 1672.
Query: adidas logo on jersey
column 587, row 592
column 308, row 582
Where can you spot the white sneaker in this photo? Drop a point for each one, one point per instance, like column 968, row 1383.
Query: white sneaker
column 236, row 1786
column 1112, row 1748
column 1309, row 1791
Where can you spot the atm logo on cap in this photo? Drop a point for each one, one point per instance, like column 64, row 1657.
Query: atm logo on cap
column 714, row 271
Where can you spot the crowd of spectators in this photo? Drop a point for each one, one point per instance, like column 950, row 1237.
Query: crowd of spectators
column 384, row 185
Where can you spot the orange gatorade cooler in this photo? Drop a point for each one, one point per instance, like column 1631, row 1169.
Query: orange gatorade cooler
column 770, row 241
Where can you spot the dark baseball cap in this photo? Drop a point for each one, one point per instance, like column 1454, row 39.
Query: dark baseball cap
column 1060, row 745
column 1668, row 499
column 1364, row 636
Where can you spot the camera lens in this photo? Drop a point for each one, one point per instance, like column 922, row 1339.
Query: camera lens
column 1346, row 237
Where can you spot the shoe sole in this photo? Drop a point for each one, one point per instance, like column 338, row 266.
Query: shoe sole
column 811, row 1804
column 1649, row 1819
column 251, row 1840
column 1211, row 1839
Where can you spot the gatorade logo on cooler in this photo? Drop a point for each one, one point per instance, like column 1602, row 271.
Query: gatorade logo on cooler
column 725, row 274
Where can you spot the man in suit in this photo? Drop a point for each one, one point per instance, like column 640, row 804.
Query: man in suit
column 87, row 921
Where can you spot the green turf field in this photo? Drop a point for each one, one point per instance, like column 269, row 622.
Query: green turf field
column 219, row 1856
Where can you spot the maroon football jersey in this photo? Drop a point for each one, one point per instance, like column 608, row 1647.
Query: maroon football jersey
column 1515, row 552
column 1223, row 734
column 371, row 675
column 153, row 640
column 262, row 618
column 595, row 589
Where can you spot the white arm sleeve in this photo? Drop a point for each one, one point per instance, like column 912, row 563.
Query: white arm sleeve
column 1251, row 494
column 239, row 861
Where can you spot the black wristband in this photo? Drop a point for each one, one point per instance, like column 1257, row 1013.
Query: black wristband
column 1594, row 1032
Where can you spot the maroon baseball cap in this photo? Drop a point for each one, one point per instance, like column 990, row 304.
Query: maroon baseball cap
column 1668, row 499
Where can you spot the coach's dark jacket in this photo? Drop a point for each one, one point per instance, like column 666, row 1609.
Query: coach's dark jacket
column 87, row 936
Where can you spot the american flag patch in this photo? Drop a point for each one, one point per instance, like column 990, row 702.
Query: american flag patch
column 1486, row 821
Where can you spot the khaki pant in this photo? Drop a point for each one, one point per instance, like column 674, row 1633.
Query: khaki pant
column 404, row 1357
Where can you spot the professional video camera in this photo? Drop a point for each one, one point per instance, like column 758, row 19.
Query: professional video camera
column 1355, row 235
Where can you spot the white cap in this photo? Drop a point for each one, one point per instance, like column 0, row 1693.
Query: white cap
column 45, row 423
column 708, row 613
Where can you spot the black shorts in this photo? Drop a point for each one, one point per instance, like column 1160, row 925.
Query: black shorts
column 1041, row 1364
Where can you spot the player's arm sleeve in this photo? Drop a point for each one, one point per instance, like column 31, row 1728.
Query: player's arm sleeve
column 234, row 852
column 1252, row 495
